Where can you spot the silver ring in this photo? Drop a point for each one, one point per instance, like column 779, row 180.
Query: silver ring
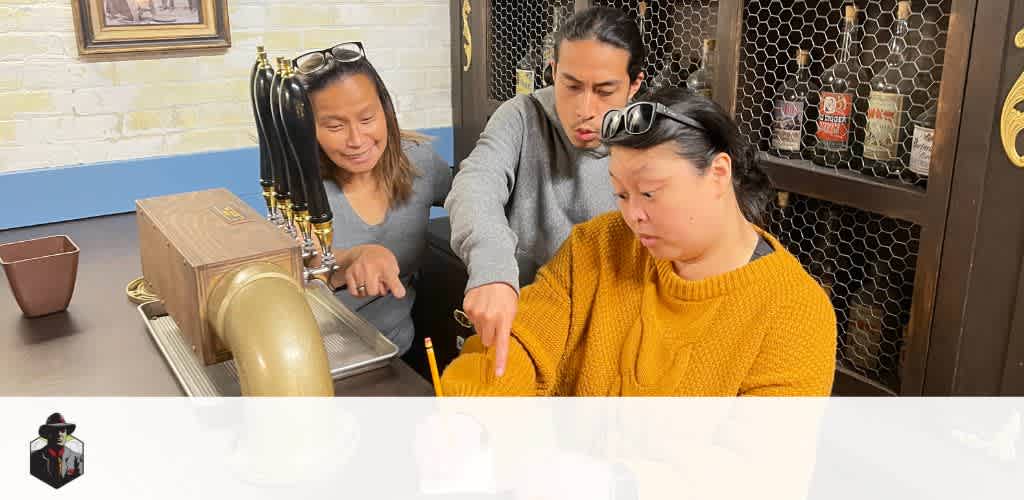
column 361, row 288
column 463, row 319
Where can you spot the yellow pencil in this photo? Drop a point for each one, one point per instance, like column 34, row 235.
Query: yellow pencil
column 433, row 367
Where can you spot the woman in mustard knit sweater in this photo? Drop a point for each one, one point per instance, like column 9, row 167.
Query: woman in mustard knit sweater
column 677, row 294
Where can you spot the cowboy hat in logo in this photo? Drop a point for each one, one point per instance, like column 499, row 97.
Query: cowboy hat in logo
column 56, row 457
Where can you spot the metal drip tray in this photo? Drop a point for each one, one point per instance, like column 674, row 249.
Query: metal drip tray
column 353, row 345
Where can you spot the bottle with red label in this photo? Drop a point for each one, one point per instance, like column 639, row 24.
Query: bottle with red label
column 887, row 114
column 836, row 100
column 788, row 115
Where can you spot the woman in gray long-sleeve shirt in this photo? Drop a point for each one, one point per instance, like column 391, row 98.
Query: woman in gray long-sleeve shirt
column 381, row 183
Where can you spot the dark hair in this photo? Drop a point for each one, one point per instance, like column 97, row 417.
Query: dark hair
column 753, row 190
column 606, row 25
column 394, row 170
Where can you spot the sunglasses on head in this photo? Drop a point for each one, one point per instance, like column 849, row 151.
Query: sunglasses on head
column 639, row 117
column 316, row 60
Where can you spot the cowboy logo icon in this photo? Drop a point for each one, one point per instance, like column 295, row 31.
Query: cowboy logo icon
column 56, row 457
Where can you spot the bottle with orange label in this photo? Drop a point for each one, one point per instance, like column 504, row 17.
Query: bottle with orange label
column 836, row 98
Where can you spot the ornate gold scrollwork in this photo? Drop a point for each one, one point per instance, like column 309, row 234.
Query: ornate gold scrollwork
column 467, row 35
column 1012, row 121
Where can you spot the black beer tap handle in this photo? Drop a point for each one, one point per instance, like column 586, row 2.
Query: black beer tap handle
column 300, row 125
column 260, row 79
column 277, row 142
column 295, row 140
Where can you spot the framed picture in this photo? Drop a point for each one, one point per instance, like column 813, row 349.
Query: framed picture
column 117, row 26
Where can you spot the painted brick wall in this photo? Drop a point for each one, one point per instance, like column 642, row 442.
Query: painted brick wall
column 57, row 108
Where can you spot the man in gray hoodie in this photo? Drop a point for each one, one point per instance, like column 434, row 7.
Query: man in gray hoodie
column 539, row 168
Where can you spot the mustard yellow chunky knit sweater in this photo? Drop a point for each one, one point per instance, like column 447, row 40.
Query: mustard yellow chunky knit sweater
column 605, row 318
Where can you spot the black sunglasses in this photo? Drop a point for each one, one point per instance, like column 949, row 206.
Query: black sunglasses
column 315, row 60
column 638, row 118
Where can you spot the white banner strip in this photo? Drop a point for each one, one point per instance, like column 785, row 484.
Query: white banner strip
column 593, row 449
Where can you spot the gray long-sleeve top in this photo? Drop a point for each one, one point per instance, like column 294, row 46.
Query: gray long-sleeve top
column 403, row 231
column 520, row 191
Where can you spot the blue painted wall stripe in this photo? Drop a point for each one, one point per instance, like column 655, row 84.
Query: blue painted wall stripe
column 45, row 195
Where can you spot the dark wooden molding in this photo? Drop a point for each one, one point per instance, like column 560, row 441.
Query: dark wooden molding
column 936, row 207
column 728, row 33
column 849, row 383
column 458, row 61
column 966, row 319
column 1013, row 370
column 984, row 237
column 881, row 196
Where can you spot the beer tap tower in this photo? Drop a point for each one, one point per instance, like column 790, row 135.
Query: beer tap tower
column 313, row 212
column 290, row 176
column 235, row 286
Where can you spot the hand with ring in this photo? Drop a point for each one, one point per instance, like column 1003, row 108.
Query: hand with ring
column 373, row 271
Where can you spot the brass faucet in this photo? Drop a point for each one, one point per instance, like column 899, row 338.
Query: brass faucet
column 263, row 317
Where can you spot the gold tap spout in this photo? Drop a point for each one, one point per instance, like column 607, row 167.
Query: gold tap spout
column 262, row 316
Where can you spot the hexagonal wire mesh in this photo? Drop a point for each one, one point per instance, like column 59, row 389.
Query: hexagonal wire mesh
column 517, row 35
column 674, row 32
column 866, row 263
column 895, row 82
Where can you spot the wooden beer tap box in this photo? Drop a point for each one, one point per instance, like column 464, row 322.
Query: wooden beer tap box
column 188, row 241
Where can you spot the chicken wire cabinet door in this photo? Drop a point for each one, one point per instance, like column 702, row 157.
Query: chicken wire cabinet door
column 875, row 73
column 866, row 265
column 844, row 101
column 977, row 345
column 863, row 130
column 504, row 48
column 681, row 41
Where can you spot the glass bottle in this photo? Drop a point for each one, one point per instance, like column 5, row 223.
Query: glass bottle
column 671, row 71
column 883, row 138
column 835, row 99
column 702, row 80
column 921, row 151
column 527, row 76
column 548, row 51
column 675, row 66
column 788, row 114
column 880, row 308
column 641, row 23
column 862, row 344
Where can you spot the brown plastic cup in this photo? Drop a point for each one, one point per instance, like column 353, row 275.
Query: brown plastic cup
column 41, row 273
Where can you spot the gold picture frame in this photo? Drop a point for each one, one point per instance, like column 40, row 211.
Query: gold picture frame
column 132, row 26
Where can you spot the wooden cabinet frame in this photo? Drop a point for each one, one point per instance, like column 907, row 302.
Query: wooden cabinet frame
column 967, row 319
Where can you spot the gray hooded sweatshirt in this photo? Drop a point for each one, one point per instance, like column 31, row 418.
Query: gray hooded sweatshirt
column 518, row 194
